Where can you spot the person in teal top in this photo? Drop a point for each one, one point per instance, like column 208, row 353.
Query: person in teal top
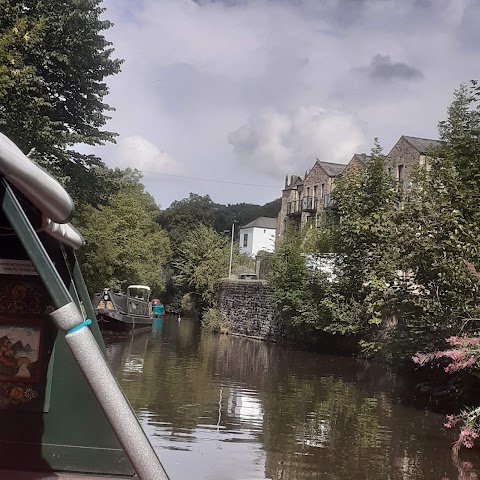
column 158, row 308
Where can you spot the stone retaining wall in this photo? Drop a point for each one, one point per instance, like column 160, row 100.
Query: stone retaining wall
column 248, row 306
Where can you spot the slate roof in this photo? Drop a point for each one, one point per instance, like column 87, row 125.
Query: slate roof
column 298, row 181
column 362, row 158
column 262, row 222
column 332, row 169
column 422, row 144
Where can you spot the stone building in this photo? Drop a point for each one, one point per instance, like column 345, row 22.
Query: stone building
column 359, row 161
column 406, row 154
column 304, row 201
column 291, row 195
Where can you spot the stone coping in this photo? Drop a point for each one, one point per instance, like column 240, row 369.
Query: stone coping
column 246, row 281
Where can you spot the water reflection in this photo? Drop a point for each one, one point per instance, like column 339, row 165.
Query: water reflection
column 223, row 407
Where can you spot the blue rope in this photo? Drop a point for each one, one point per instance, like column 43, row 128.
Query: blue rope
column 81, row 325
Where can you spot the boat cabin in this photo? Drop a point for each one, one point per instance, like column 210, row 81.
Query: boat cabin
column 142, row 292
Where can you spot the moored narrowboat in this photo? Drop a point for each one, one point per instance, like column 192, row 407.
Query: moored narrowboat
column 119, row 311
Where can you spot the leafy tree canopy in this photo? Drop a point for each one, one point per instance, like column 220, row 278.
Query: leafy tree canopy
column 124, row 244
column 53, row 62
column 203, row 260
column 183, row 216
column 243, row 213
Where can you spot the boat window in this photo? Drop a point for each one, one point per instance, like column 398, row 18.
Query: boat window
column 138, row 293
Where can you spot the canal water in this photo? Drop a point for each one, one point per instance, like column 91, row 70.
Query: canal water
column 220, row 407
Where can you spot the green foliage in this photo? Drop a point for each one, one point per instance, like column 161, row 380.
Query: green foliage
column 365, row 243
column 186, row 303
column 184, row 216
column 243, row 213
column 299, row 293
column 184, row 220
column 202, row 261
column 440, row 231
column 365, row 261
column 53, row 62
column 15, row 39
column 318, row 239
column 214, row 321
column 124, row 244
column 428, row 231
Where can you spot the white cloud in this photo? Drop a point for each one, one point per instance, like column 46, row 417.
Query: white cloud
column 195, row 72
column 276, row 143
column 137, row 152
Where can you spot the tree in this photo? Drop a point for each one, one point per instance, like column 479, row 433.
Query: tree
column 14, row 72
column 184, row 216
column 243, row 213
column 53, row 63
column 365, row 244
column 298, row 292
column 124, row 244
column 202, row 261
column 440, row 232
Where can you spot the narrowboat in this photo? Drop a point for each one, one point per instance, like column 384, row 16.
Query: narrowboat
column 119, row 311
column 63, row 414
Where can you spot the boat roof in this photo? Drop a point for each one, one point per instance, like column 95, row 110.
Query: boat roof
column 139, row 286
column 42, row 190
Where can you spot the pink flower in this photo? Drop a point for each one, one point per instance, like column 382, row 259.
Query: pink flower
column 451, row 421
column 420, row 358
column 467, row 437
column 455, row 355
column 463, row 341
column 459, row 365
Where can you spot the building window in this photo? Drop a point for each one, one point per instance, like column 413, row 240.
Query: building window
column 425, row 163
column 245, row 239
column 322, row 190
column 401, row 173
column 315, row 190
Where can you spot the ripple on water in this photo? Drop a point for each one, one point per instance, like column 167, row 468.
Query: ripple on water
column 230, row 408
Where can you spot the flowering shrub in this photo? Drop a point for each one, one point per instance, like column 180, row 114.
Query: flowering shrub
column 464, row 352
column 462, row 355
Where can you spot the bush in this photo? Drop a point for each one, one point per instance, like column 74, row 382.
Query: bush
column 214, row 321
column 187, row 304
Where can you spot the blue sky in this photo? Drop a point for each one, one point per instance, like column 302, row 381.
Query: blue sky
column 248, row 91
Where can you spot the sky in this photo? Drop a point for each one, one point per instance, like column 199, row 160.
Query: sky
column 244, row 92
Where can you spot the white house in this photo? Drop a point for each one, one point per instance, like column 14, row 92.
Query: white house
column 258, row 235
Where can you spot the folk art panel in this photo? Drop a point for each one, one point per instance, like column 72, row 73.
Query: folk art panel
column 24, row 306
